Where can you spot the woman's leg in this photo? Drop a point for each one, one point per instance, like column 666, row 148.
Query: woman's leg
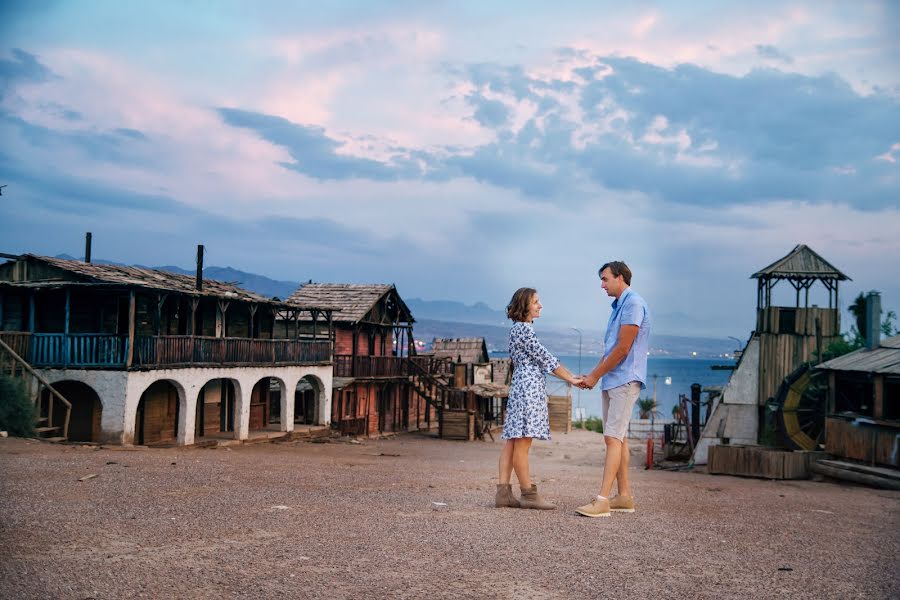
column 506, row 461
column 520, row 461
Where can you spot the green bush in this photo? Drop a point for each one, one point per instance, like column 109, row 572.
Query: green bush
column 591, row 424
column 16, row 411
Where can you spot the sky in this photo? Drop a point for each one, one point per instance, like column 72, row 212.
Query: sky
column 461, row 150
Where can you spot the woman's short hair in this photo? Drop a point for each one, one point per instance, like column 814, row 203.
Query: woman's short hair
column 618, row 269
column 519, row 306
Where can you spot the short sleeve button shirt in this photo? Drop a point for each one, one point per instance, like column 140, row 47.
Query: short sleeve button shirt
column 628, row 309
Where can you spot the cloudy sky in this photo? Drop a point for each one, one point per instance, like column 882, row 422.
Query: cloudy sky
column 463, row 149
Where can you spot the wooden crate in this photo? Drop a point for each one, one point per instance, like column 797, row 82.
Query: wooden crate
column 458, row 425
column 760, row 461
column 560, row 408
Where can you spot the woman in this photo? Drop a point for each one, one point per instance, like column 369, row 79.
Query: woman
column 526, row 412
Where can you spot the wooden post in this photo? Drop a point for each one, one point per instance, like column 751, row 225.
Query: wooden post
column 66, row 328
column 31, row 305
column 878, row 392
column 253, row 309
column 194, row 303
column 131, row 319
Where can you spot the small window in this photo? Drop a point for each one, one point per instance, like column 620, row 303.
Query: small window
column 787, row 320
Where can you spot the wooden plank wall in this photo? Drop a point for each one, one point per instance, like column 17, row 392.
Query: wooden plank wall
column 781, row 353
column 560, row 408
column 873, row 444
column 759, row 461
column 459, row 425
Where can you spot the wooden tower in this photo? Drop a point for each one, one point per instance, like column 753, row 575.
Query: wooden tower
column 792, row 335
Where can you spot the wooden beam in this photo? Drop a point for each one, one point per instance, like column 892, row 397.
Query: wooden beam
column 131, row 319
column 31, row 306
column 878, row 392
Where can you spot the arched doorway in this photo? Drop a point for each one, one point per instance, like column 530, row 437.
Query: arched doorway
column 157, row 414
column 264, row 394
column 308, row 399
column 84, row 420
column 215, row 409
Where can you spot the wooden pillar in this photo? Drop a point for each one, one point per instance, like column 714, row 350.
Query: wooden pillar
column 220, row 318
column 131, row 319
column 31, row 306
column 194, row 303
column 253, row 309
column 878, row 391
column 315, row 324
column 160, row 301
column 66, row 327
column 68, row 310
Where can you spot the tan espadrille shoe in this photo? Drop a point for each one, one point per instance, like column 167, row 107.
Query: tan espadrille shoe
column 623, row 504
column 505, row 498
column 531, row 499
column 598, row 507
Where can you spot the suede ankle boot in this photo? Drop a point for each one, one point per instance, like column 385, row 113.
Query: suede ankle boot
column 531, row 499
column 505, row 496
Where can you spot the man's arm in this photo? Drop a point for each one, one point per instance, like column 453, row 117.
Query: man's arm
column 627, row 334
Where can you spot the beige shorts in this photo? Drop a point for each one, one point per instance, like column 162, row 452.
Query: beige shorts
column 617, row 406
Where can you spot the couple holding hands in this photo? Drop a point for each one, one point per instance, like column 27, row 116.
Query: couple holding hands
column 623, row 370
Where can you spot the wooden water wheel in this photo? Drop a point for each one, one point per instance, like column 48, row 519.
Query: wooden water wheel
column 801, row 400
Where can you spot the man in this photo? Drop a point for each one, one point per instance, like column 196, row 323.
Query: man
column 624, row 373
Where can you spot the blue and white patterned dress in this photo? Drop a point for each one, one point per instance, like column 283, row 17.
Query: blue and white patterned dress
column 526, row 410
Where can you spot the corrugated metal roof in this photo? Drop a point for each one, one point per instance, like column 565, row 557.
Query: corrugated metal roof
column 885, row 359
column 353, row 300
column 802, row 261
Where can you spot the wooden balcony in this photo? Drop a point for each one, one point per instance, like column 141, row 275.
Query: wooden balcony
column 92, row 350
column 347, row 365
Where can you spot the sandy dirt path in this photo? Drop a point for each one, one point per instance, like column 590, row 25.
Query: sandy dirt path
column 342, row 520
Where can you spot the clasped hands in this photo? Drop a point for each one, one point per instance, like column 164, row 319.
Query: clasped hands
column 585, row 382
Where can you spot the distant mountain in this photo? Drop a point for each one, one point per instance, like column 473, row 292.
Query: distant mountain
column 449, row 319
column 260, row 284
column 448, row 310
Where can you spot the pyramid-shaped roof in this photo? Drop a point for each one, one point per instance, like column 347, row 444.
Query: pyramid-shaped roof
column 801, row 263
column 355, row 301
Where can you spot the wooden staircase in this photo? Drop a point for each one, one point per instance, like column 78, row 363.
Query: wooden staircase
column 435, row 392
column 49, row 426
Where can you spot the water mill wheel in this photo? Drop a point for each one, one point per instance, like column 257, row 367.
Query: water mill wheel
column 801, row 416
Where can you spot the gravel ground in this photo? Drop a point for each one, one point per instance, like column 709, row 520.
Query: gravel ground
column 342, row 520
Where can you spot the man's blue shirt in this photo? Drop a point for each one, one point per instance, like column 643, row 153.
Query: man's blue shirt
column 628, row 309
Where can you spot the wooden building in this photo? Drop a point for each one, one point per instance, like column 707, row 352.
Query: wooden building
column 469, row 358
column 379, row 384
column 134, row 355
column 792, row 335
column 863, row 415
column 785, row 338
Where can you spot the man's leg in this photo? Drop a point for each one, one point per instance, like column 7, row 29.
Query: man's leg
column 611, row 467
column 622, row 475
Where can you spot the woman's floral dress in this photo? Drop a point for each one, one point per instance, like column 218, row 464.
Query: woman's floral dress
column 526, row 410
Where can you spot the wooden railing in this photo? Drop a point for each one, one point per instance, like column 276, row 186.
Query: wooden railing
column 347, row 365
column 183, row 350
column 96, row 350
column 19, row 368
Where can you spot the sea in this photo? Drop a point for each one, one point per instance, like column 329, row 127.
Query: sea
column 672, row 376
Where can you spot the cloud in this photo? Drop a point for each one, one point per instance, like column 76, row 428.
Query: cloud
column 22, row 67
column 772, row 53
column 314, row 153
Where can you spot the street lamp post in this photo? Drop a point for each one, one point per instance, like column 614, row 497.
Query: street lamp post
column 579, row 371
